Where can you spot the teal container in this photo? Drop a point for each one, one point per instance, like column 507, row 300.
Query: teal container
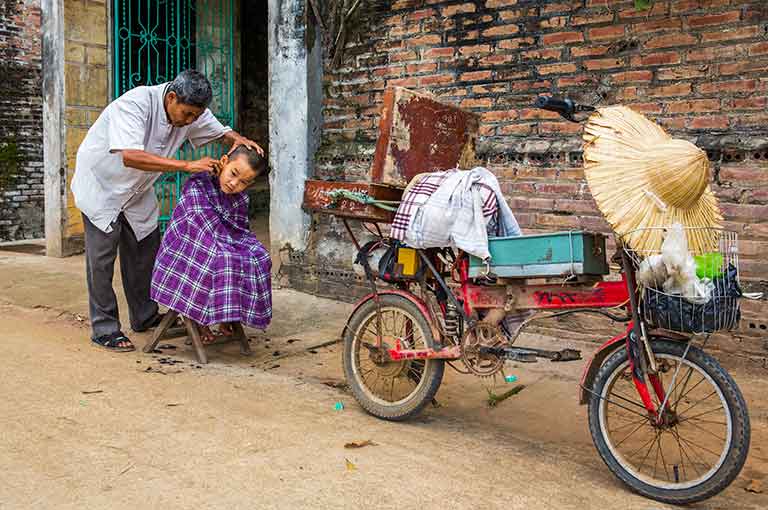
column 545, row 255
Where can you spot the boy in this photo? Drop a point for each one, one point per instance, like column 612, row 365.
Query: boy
column 210, row 267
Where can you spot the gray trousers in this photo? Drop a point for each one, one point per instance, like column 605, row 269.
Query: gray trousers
column 136, row 262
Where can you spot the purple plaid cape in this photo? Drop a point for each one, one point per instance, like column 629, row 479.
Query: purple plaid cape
column 210, row 267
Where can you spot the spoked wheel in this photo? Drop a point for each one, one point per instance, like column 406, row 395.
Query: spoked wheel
column 702, row 441
column 392, row 390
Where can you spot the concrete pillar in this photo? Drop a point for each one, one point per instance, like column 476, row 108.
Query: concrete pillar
column 54, row 125
column 295, row 116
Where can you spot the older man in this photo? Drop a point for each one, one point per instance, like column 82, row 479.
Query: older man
column 131, row 143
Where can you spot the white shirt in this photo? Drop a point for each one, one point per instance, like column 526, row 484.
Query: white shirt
column 103, row 186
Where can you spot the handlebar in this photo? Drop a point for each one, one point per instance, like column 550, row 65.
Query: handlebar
column 565, row 107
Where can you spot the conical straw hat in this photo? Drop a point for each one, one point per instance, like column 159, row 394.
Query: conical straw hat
column 643, row 180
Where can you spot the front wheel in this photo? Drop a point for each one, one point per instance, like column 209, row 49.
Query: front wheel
column 392, row 390
column 701, row 444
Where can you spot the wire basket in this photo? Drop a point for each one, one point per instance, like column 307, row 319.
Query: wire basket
column 715, row 304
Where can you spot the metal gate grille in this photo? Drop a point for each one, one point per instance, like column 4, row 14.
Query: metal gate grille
column 156, row 39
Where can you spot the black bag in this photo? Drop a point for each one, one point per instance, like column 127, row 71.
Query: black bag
column 675, row 313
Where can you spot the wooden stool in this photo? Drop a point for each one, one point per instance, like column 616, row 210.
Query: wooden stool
column 193, row 331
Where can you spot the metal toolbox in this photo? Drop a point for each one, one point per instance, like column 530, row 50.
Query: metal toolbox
column 545, row 255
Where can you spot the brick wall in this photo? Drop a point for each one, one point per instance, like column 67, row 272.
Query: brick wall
column 87, row 83
column 699, row 67
column 21, row 132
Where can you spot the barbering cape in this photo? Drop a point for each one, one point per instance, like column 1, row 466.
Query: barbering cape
column 210, row 267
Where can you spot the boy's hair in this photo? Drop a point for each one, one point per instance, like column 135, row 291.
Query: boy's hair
column 257, row 162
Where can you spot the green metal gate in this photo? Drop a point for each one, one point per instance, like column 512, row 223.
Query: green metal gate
column 156, row 39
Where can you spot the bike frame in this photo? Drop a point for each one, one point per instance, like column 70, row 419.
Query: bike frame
column 568, row 298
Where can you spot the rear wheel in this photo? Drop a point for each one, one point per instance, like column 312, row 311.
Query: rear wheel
column 392, row 390
column 700, row 445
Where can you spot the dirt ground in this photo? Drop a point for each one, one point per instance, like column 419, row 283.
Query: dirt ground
column 83, row 428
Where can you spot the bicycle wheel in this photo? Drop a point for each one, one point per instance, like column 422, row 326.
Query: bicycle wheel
column 392, row 390
column 702, row 442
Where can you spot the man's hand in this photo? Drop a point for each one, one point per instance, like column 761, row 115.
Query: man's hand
column 237, row 140
column 204, row 164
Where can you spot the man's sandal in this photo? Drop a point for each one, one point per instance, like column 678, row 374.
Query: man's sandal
column 112, row 342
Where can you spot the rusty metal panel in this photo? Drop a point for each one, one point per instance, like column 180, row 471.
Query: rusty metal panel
column 418, row 134
column 316, row 198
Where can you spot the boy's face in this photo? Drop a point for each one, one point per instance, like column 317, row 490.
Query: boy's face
column 235, row 174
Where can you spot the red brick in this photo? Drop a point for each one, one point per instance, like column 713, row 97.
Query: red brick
column 558, row 188
column 513, row 44
column 749, row 103
column 517, row 14
column 516, row 129
column 727, row 86
column 501, row 31
column 542, row 54
column 670, row 40
column 605, row 33
column 477, row 103
column 476, row 76
column 560, row 127
column 647, row 107
column 489, row 89
column 450, row 10
column 746, row 66
column 670, row 124
column 656, row 59
column 403, row 56
column 475, row 50
column 711, row 122
column 389, row 71
column 436, row 79
column 656, row 26
column 758, row 49
column 403, row 82
column 575, row 80
column 679, row 89
column 554, row 22
column 558, row 220
column 713, row 19
column 421, row 68
column 561, row 38
column 714, row 53
column 682, row 72
column 438, row 52
column 726, row 35
column 697, row 105
column 745, row 212
column 751, row 120
column 557, row 68
column 591, row 19
column 531, row 85
column 497, row 116
column 657, row 9
column 679, row 6
column 744, row 174
column 589, row 51
column 575, row 206
column 424, row 40
column 487, row 130
column 603, row 63
column 404, row 30
column 631, row 76
column 537, row 113
column 497, row 59
column 549, row 8
column 495, row 4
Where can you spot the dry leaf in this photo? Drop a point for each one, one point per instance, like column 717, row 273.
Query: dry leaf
column 350, row 466
column 360, row 444
column 755, row 486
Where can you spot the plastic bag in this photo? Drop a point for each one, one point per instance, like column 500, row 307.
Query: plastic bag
column 652, row 272
column 681, row 268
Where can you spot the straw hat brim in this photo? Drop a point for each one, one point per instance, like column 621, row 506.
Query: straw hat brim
column 643, row 181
